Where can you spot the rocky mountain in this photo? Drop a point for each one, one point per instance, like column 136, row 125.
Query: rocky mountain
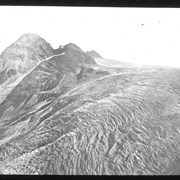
column 93, row 53
column 24, row 54
column 70, row 115
column 19, row 59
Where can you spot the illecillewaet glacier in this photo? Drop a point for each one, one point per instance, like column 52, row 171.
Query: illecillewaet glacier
column 63, row 112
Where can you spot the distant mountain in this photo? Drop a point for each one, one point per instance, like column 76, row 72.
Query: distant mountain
column 67, row 114
column 78, row 55
column 93, row 53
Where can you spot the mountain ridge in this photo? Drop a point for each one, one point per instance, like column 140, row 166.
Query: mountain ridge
column 22, row 56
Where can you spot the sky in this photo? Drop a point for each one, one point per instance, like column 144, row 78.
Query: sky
column 149, row 36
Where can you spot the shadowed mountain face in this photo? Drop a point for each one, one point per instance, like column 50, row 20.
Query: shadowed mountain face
column 69, row 115
column 94, row 54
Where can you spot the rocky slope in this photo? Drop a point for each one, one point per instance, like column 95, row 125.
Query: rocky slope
column 71, row 116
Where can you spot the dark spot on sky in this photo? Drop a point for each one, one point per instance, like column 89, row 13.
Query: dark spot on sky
column 142, row 24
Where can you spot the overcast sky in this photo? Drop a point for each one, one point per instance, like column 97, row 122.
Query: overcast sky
column 137, row 35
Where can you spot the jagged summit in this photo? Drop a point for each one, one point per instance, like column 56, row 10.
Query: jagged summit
column 29, row 49
column 29, row 40
column 29, row 36
column 68, row 47
column 73, row 46
column 75, row 54
column 93, row 53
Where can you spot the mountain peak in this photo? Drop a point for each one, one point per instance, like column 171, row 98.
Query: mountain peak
column 93, row 53
column 29, row 39
column 73, row 46
column 25, row 53
column 29, row 35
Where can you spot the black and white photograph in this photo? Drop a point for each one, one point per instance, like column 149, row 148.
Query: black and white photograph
column 89, row 90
